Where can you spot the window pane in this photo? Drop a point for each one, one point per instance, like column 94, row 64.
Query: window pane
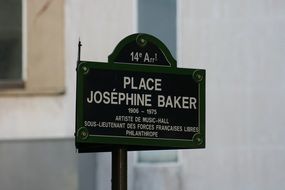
column 158, row 156
column 158, row 18
column 10, row 40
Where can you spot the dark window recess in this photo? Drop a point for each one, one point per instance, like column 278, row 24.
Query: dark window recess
column 10, row 43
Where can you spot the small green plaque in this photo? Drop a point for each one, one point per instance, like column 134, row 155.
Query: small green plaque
column 139, row 100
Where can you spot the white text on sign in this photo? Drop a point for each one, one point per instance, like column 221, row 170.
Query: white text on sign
column 115, row 97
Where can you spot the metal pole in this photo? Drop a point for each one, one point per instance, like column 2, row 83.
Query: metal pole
column 119, row 169
column 79, row 51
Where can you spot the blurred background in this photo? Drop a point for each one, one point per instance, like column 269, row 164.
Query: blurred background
column 241, row 44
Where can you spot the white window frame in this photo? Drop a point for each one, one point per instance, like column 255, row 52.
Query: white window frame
column 24, row 40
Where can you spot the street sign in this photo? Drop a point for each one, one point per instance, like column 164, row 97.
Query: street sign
column 139, row 100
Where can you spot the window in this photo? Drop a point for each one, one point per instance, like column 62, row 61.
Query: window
column 10, row 42
column 164, row 156
column 31, row 47
column 158, row 18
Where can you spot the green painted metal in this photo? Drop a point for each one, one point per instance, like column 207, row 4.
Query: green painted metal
column 142, row 39
column 86, row 141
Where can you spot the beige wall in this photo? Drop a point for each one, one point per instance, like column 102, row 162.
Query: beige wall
column 45, row 37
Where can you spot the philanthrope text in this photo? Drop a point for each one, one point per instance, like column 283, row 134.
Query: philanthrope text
column 114, row 97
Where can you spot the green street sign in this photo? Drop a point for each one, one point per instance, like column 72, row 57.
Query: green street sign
column 139, row 99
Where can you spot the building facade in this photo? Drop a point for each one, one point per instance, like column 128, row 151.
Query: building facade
column 241, row 45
